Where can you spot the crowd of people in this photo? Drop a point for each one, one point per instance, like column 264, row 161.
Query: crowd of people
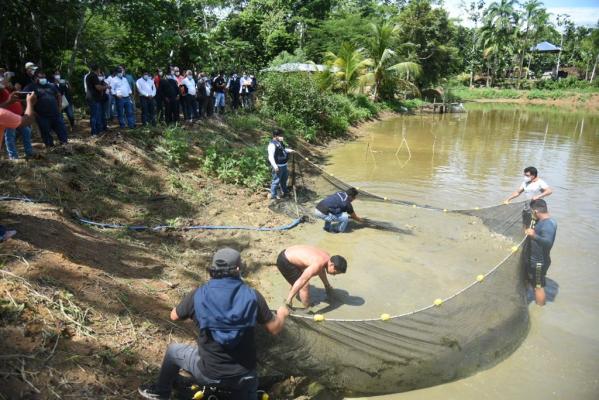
column 164, row 97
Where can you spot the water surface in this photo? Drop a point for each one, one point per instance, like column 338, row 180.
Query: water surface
column 474, row 160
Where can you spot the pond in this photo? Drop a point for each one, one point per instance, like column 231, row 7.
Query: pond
column 474, row 160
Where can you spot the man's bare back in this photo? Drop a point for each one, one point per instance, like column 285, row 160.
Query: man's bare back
column 303, row 256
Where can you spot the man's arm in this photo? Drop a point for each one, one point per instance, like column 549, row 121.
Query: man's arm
column 275, row 325
column 302, row 281
column 517, row 193
column 325, row 281
column 29, row 117
column 546, row 192
column 271, row 157
column 355, row 217
column 543, row 236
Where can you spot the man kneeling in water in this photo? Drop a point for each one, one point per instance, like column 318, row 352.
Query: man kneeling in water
column 298, row 264
column 225, row 311
column 542, row 237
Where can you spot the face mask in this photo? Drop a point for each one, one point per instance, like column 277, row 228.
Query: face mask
column 101, row 78
column 527, row 179
column 43, row 81
column 146, row 77
column 57, row 77
column 190, row 76
column 177, row 73
column 120, row 74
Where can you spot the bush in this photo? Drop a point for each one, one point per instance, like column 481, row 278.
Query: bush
column 175, row 144
column 296, row 103
column 247, row 166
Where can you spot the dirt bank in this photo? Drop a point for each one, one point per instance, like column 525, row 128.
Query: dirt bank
column 590, row 102
column 84, row 311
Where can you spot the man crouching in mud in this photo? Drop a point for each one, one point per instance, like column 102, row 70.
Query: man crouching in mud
column 298, row 264
column 225, row 311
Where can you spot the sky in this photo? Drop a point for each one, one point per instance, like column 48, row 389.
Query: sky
column 582, row 12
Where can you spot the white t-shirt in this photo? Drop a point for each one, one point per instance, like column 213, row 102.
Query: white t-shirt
column 533, row 188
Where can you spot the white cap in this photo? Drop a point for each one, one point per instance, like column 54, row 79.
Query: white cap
column 30, row 65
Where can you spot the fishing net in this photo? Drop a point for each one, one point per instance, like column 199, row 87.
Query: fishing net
column 451, row 338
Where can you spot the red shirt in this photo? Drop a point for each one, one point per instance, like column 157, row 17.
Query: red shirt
column 15, row 107
column 157, row 81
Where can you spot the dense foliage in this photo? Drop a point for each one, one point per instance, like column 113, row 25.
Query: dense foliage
column 234, row 35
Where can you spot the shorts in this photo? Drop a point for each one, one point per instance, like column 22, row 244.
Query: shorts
column 290, row 272
column 536, row 274
column 526, row 218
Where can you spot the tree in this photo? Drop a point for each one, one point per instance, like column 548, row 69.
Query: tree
column 383, row 60
column 424, row 37
column 533, row 14
column 498, row 34
column 348, row 67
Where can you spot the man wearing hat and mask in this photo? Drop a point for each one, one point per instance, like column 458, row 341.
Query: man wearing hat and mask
column 225, row 311
column 29, row 77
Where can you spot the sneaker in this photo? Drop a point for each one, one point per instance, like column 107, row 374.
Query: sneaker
column 7, row 235
column 148, row 391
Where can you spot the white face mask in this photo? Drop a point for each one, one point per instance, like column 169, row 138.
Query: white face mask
column 527, row 179
column 120, row 74
column 146, row 77
column 57, row 77
column 43, row 81
column 101, row 78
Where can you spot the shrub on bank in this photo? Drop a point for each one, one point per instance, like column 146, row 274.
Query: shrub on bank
column 298, row 105
column 245, row 166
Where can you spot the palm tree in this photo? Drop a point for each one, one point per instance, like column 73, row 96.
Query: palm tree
column 532, row 13
column 382, row 58
column 498, row 32
column 348, row 66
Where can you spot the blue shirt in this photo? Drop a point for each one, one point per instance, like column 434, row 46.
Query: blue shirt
column 336, row 204
column 541, row 244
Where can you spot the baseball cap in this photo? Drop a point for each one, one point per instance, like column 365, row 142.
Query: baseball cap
column 30, row 65
column 226, row 259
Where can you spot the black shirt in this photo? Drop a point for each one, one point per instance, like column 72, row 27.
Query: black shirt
column 216, row 362
column 46, row 105
column 91, row 81
column 168, row 89
column 219, row 84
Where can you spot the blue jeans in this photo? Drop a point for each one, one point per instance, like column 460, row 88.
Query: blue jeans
column 124, row 107
column 96, row 117
column 279, row 179
column 11, row 141
column 219, row 100
column 48, row 124
column 342, row 220
column 147, row 111
column 70, row 112
column 186, row 356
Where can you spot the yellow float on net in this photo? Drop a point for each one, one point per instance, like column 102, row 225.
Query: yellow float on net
column 318, row 317
column 198, row 396
column 413, row 205
column 480, row 278
column 445, row 210
column 195, row 388
column 514, row 249
column 357, row 187
column 265, row 396
column 385, row 198
column 385, row 317
column 477, row 208
column 438, row 302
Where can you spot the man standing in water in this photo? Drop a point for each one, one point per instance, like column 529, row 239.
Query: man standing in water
column 542, row 237
column 534, row 188
column 298, row 264
column 337, row 208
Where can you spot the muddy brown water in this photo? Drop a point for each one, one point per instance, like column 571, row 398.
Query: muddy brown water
column 473, row 160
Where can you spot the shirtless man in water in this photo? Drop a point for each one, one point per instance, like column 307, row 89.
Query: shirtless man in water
column 300, row 263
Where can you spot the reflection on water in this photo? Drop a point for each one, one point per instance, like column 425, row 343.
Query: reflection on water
column 476, row 159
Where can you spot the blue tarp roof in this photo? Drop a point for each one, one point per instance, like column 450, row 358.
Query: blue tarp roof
column 545, row 47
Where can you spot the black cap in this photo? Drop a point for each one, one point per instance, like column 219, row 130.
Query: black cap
column 225, row 263
column 277, row 132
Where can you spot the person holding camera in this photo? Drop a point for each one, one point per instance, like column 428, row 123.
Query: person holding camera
column 225, row 311
column 10, row 99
